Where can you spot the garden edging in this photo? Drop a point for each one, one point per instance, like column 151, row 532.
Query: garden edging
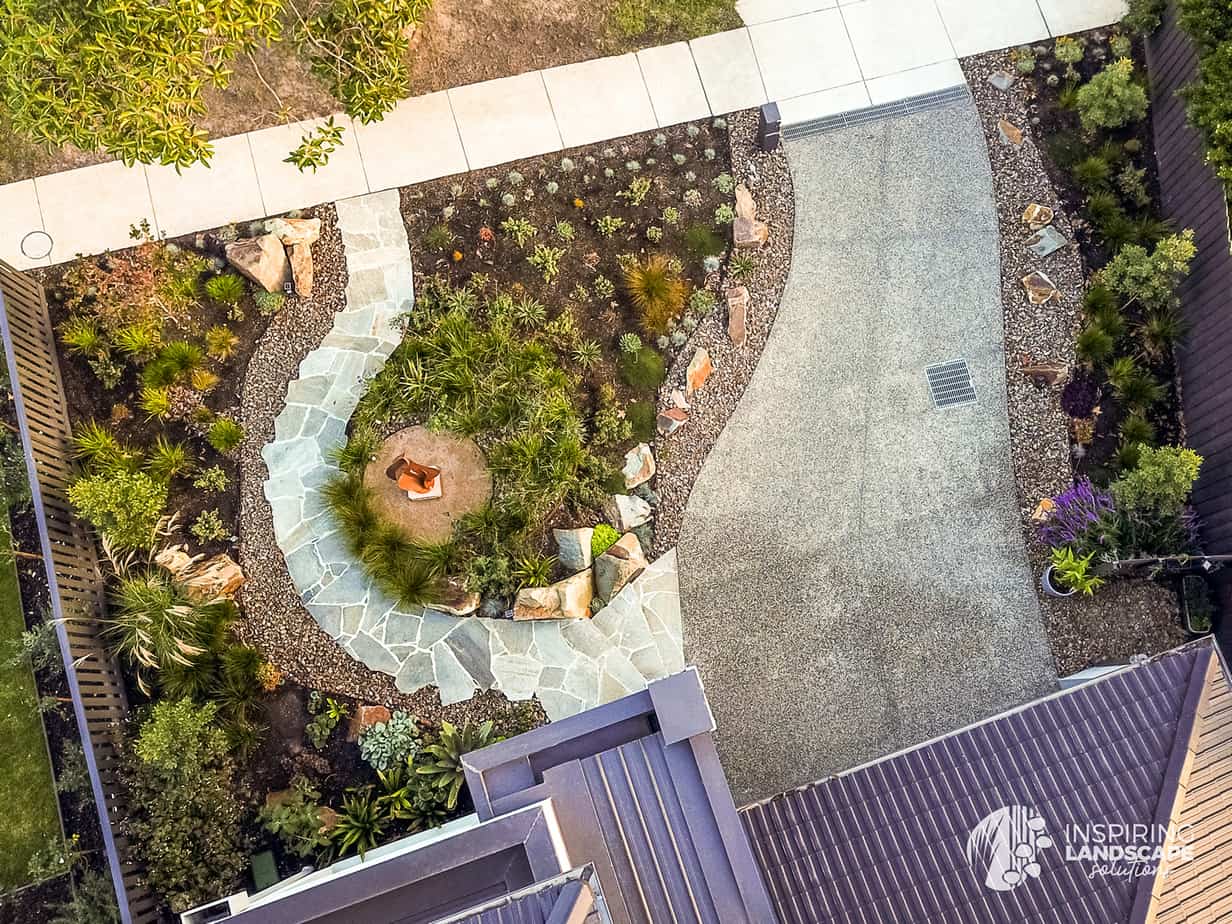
column 570, row 666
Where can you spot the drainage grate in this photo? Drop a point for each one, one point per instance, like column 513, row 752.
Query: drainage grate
column 950, row 384
column 873, row 113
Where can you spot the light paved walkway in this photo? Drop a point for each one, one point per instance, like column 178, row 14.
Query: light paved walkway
column 570, row 666
column 853, row 576
column 814, row 57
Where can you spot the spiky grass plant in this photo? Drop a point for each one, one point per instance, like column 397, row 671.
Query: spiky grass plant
column 227, row 288
column 657, row 291
column 442, row 761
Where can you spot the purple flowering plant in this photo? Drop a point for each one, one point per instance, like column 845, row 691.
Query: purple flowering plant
column 1081, row 517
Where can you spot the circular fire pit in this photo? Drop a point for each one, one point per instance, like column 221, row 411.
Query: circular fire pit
column 425, row 481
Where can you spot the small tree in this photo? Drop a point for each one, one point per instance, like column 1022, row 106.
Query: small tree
column 1150, row 278
column 1112, row 98
column 125, row 507
column 1160, row 483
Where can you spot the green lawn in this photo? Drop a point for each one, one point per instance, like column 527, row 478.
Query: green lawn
column 32, row 819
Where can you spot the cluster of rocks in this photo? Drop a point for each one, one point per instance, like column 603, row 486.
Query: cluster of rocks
column 595, row 580
column 203, row 579
column 280, row 260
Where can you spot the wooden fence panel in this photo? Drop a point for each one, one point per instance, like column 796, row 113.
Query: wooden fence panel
column 1193, row 197
column 76, row 584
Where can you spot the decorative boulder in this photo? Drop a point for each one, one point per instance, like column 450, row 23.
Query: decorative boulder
column 626, row 511
column 745, row 206
column 749, row 233
column 1036, row 217
column 639, row 466
column 456, row 600
column 737, row 314
column 364, row 718
column 212, row 579
column 1009, row 132
column 671, row 420
column 575, row 594
column 537, row 603
column 1040, row 289
column 619, row 565
column 263, row 260
column 679, row 400
column 699, row 370
column 301, row 269
column 573, row 548
column 294, row 230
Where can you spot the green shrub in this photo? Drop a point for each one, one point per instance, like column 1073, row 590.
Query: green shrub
column 221, row 342
column 152, row 624
column 1112, row 98
column 209, row 527
column 385, row 744
column 724, row 214
column 1150, row 278
column 225, row 435
column 185, row 808
column 1160, row 483
column 642, row 370
column 547, row 261
column 1073, row 571
column 611, row 426
column 1209, row 104
column 491, row 576
column 1144, row 16
column 702, row 241
column 326, row 713
column 125, row 507
column 1068, row 49
column 534, row 570
column 442, row 760
column 227, row 288
column 608, row 225
column 603, row 538
column 588, row 353
column 168, row 459
column 1092, row 173
column 212, row 480
column 296, row 820
column 519, row 229
column 1160, row 329
column 93, row 902
column 642, row 420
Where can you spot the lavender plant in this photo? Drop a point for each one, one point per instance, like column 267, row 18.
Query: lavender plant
column 1080, row 516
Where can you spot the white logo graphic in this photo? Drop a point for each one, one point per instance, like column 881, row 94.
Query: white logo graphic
column 1006, row 845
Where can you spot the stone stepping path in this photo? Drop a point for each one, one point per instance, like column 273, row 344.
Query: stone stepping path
column 816, row 58
column 570, row 666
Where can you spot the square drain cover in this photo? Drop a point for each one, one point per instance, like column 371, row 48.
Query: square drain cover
column 950, row 383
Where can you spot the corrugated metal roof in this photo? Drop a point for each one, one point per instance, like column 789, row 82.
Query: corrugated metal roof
column 887, row 842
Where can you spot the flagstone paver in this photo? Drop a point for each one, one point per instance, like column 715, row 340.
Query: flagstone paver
column 814, row 57
column 570, row 666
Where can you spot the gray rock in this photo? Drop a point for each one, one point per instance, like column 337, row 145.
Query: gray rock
column 626, row 512
column 619, row 565
column 263, row 260
column 573, row 548
column 1001, row 80
column 639, row 466
column 471, row 646
column 1046, row 241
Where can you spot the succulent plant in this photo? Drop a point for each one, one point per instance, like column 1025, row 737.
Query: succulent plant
column 513, row 178
column 632, row 166
column 567, row 165
column 388, row 744
column 491, row 182
column 679, row 159
column 692, row 131
column 679, row 338
column 455, row 190
column 719, row 123
column 711, row 265
column 552, row 188
column 509, row 200
column 659, row 140
column 701, row 302
column 630, row 343
column 708, row 154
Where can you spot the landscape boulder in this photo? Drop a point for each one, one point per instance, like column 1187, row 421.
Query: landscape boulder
column 671, row 420
column 291, row 231
column 749, row 233
column 1037, row 216
column 301, row 269
column 1009, row 132
column 364, row 718
column 573, row 548
column 537, row 603
column 737, row 314
column 575, row 594
column 699, row 370
column 203, row 580
column 745, row 206
column 456, row 600
column 619, row 565
column 263, row 260
column 639, row 466
column 626, row 511
column 1039, row 288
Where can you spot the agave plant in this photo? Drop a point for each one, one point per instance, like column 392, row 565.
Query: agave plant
column 361, row 825
column 443, row 763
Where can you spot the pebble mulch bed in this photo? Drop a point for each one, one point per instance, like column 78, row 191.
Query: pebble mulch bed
column 1125, row 617
column 275, row 618
column 680, row 456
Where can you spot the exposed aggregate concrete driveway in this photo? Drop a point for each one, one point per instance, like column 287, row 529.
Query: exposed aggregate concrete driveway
column 852, row 572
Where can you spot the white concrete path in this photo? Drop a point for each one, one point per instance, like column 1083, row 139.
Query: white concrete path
column 814, row 57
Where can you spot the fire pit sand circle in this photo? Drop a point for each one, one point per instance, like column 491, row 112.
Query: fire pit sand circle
column 464, row 483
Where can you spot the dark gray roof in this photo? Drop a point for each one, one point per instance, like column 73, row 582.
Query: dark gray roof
column 887, row 842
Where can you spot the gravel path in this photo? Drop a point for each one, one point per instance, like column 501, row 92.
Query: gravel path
column 852, row 570
column 679, row 457
column 1126, row 617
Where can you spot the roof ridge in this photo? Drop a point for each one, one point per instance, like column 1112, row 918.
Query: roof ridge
column 1187, row 722
column 1206, row 642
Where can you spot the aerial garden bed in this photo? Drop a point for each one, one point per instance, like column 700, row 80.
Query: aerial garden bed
column 1095, row 422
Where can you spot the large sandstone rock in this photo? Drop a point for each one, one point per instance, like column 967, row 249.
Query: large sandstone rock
column 263, row 260
column 575, row 594
column 1037, row 217
column 537, row 603
column 456, row 600
column 625, row 511
column 203, row 580
column 619, row 565
column 301, row 269
column 1039, row 288
column 737, row 314
column 749, row 233
column 745, row 206
column 699, row 370
column 639, row 466
column 573, row 548
column 294, row 230
column 364, row 718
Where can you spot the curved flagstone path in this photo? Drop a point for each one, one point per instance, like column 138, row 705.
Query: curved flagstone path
column 570, row 666
column 870, row 589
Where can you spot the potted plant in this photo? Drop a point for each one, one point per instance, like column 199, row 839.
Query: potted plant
column 1069, row 573
column 1197, row 604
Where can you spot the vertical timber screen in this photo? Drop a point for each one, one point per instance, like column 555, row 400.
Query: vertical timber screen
column 1193, row 197
column 74, row 578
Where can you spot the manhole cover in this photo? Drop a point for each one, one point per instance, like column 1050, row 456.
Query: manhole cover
column 950, row 384
column 36, row 245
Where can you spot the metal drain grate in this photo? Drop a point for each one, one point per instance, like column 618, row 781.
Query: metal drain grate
column 950, row 384
column 921, row 103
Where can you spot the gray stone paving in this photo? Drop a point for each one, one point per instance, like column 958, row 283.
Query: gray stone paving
column 570, row 666
column 871, row 589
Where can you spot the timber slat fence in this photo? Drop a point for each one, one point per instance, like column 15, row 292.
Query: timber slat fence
column 1194, row 197
column 74, row 577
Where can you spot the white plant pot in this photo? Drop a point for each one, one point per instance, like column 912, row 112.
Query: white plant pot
column 1051, row 589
